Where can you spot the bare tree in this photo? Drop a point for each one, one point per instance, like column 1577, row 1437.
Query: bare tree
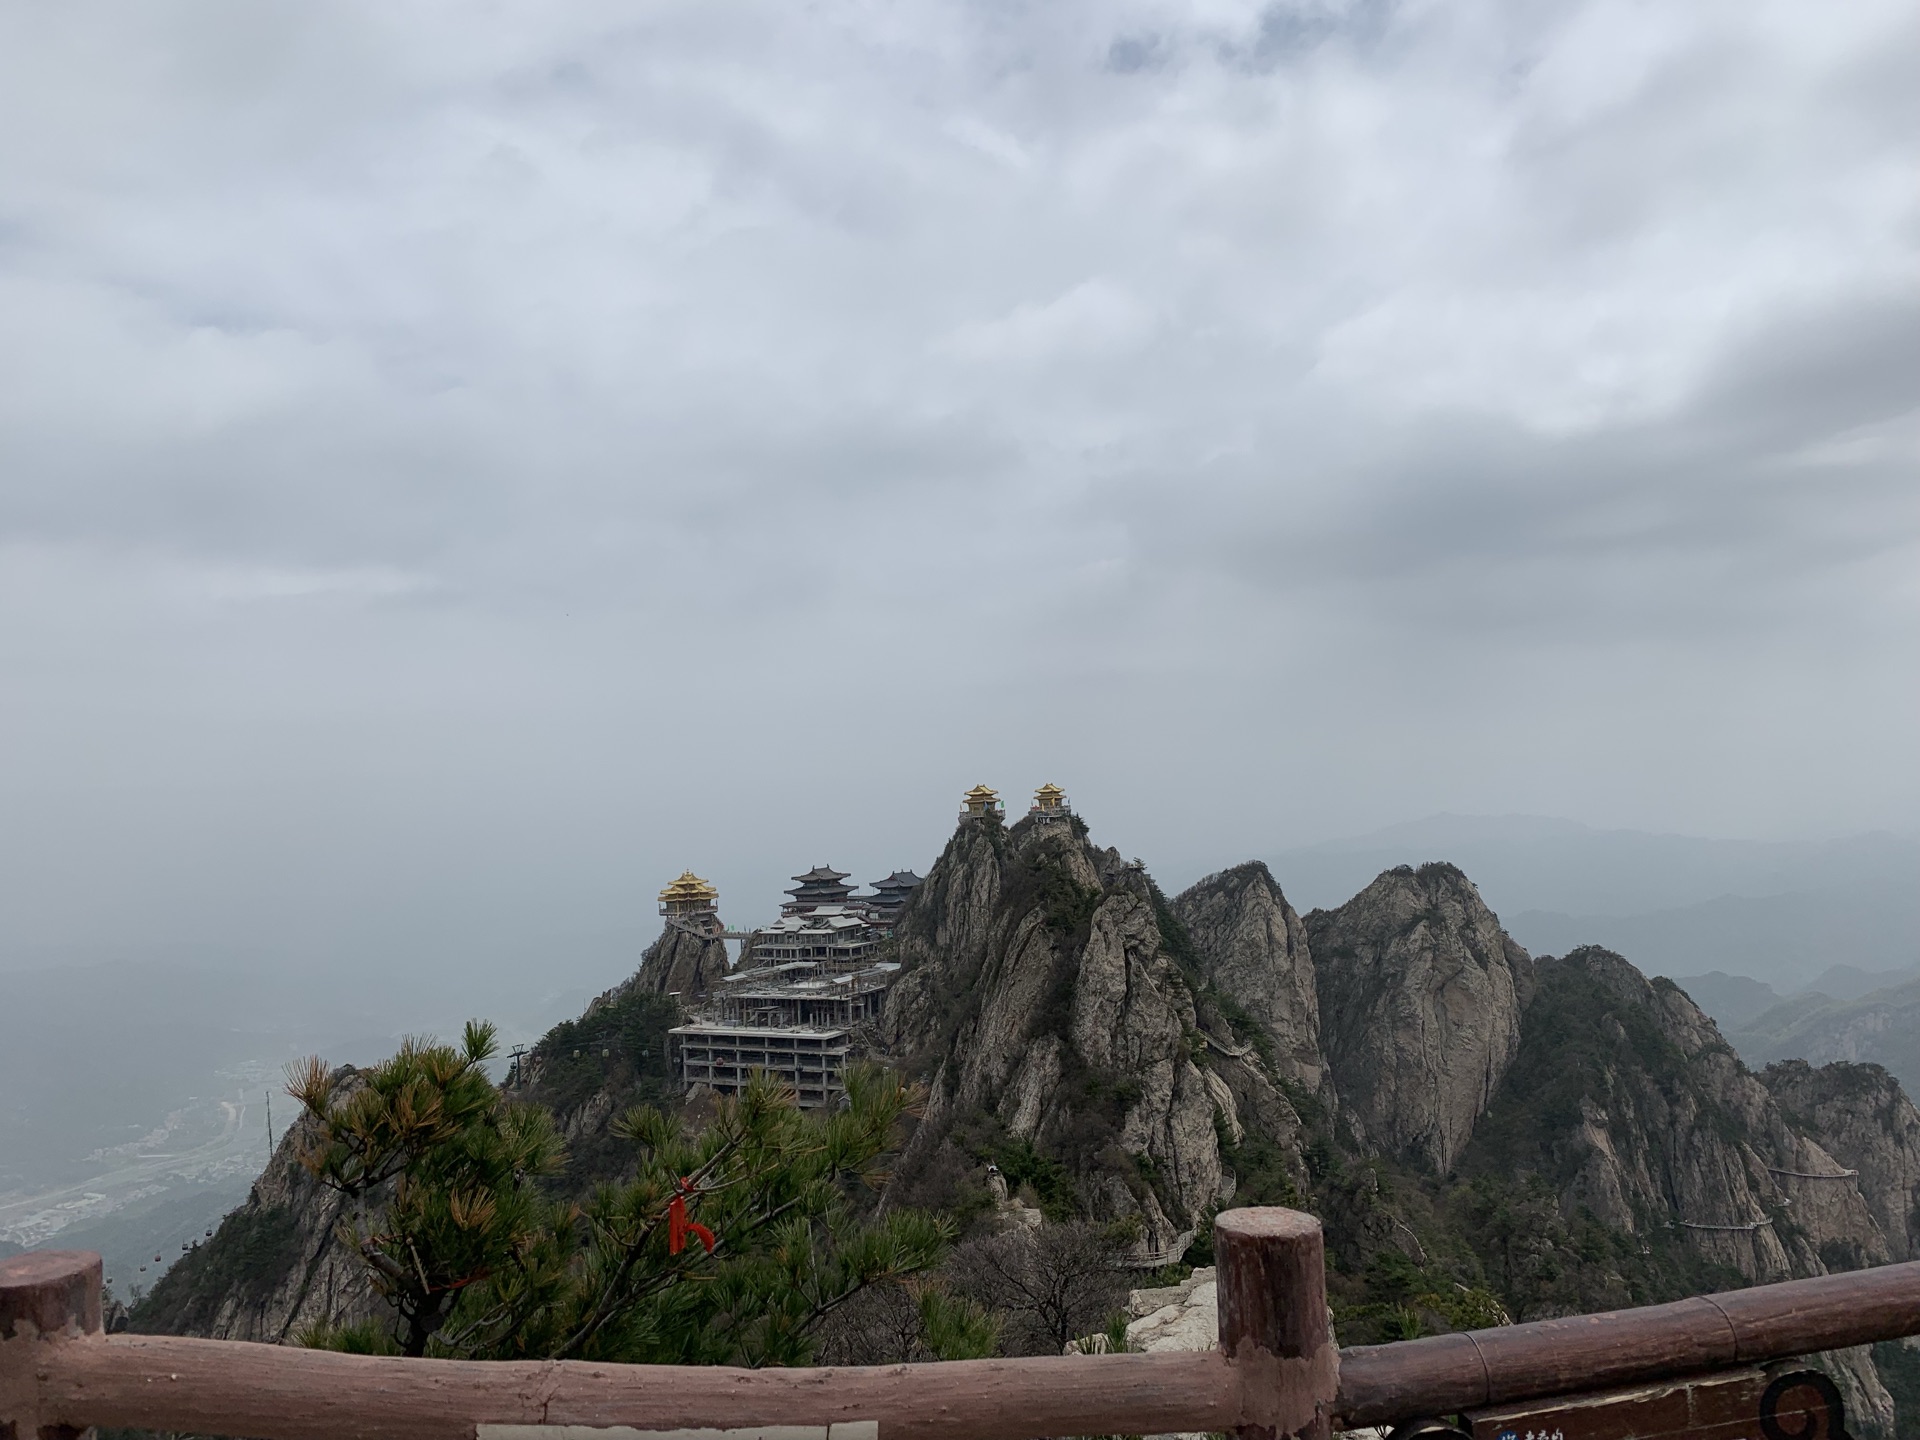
column 1050, row 1285
column 911, row 1322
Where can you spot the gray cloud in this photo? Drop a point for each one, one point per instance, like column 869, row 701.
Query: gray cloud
column 459, row 467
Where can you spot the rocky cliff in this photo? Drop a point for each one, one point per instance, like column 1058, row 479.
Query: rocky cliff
column 1253, row 948
column 1050, row 998
column 1625, row 1099
column 1420, row 998
column 683, row 961
column 1628, row 1134
column 273, row 1269
column 1867, row 1124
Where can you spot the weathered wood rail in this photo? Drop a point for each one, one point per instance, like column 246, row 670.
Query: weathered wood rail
column 1275, row 1372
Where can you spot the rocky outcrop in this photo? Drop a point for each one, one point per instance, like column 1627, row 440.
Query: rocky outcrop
column 948, row 927
column 1420, row 997
column 1627, row 1103
column 1185, row 1316
column 1253, row 949
column 683, row 961
column 1043, row 1002
column 586, row 1072
column 1628, row 1100
column 1867, row 1125
column 274, row 1268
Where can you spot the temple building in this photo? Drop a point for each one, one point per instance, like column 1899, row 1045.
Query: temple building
column 1050, row 804
column 889, row 897
column 692, row 904
column 822, row 885
column 980, row 801
column 825, row 935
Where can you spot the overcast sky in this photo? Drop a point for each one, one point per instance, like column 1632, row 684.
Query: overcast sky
column 460, row 464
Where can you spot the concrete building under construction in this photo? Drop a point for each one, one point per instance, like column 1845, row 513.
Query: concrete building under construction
column 721, row 1057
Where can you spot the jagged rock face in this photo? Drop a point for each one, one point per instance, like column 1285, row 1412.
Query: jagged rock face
column 1870, row 1410
column 1420, row 999
column 275, row 1266
column 1039, row 995
column 1254, row 948
column 949, row 923
column 1866, row 1123
column 1626, row 1157
column 1627, row 1096
column 681, row 962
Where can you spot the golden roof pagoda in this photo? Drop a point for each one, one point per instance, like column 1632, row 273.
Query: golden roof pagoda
column 1049, row 802
column 982, row 800
column 688, row 895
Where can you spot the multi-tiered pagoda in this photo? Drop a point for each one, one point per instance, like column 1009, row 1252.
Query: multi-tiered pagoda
column 889, row 895
column 981, row 801
column 692, row 904
column 822, row 885
column 1049, row 804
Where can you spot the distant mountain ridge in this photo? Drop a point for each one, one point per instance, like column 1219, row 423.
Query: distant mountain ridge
column 1535, row 862
column 1786, row 940
column 1778, row 911
column 1882, row 1028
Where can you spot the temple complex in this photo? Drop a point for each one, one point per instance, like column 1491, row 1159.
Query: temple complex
column 797, row 992
column 810, row 986
column 1049, row 804
column 807, row 986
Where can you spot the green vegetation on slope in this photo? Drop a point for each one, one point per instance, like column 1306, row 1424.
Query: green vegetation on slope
column 248, row 1257
column 1411, row 1252
column 728, row 1242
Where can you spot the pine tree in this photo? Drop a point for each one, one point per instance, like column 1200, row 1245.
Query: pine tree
column 730, row 1244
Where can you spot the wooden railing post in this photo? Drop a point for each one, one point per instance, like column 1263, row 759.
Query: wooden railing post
column 46, row 1298
column 1272, row 1281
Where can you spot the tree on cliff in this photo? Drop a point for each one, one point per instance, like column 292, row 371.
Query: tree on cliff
column 730, row 1244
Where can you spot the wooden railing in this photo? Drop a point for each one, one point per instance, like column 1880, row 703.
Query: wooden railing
column 1276, row 1371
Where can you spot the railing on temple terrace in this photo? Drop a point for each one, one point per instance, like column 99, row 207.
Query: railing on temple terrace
column 1717, row 1367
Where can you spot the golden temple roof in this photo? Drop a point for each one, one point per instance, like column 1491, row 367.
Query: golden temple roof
column 1049, row 795
column 983, row 792
column 690, row 889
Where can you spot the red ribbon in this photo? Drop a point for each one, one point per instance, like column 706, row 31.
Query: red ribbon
column 678, row 1224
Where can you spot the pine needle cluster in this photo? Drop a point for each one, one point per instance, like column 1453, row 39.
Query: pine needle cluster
column 479, row 1260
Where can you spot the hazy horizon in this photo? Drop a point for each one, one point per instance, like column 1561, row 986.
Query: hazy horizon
column 1523, row 863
